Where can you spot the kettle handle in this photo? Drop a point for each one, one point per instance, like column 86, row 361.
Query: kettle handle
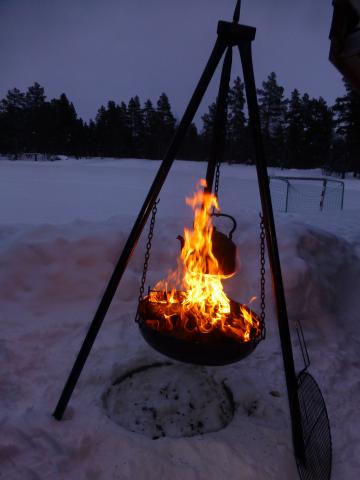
column 227, row 216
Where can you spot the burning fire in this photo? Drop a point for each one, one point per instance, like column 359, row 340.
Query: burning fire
column 193, row 297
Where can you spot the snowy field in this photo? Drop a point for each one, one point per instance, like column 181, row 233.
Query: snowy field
column 62, row 227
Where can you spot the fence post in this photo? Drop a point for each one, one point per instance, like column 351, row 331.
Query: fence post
column 322, row 197
column 287, row 195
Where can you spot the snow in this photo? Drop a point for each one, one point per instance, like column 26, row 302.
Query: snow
column 62, row 228
column 161, row 405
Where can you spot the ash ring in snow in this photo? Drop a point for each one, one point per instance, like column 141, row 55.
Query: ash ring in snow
column 168, row 400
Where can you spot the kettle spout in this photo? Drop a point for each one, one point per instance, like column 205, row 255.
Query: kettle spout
column 181, row 240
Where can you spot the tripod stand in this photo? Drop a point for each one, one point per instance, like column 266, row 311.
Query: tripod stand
column 229, row 35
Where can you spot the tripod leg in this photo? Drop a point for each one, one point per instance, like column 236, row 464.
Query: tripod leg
column 291, row 379
column 121, row 265
column 219, row 132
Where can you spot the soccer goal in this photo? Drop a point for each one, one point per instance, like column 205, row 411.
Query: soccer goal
column 306, row 194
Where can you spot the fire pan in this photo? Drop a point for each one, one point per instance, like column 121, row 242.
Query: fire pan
column 213, row 348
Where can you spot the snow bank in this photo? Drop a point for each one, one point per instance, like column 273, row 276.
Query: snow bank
column 51, row 279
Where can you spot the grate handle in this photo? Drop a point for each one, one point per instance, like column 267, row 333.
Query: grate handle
column 303, row 347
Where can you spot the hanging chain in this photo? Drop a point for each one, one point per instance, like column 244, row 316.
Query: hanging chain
column 147, row 255
column 262, row 274
column 217, row 181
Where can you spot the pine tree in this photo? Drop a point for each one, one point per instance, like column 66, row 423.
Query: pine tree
column 35, row 96
column 166, row 123
column 122, row 130
column 322, row 131
column 79, row 139
column 14, row 100
column 150, row 120
column 294, row 132
column 62, row 126
column 112, row 131
column 272, row 107
column 166, row 117
column 89, row 145
column 237, row 125
column 12, row 122
column 136, row 127
column 208, row 120
column 36, row 126
column 347, row 120
column 318, row 132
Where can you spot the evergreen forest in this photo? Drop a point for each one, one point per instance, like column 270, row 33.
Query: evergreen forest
column 298, row 132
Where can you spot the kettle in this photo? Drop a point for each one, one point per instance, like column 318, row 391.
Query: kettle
column 224, row 249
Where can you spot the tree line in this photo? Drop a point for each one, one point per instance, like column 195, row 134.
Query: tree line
column 299, row 132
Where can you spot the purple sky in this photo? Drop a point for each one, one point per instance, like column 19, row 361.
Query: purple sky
column 97, row 50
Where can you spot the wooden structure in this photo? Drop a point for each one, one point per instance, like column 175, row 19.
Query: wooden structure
column 345, row 40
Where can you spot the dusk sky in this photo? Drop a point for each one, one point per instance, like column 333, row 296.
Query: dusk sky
column 100, row 50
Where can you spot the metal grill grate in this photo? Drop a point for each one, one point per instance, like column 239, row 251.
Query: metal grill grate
column 316, row 431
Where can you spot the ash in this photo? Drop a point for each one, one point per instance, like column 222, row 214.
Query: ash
column 169, row 400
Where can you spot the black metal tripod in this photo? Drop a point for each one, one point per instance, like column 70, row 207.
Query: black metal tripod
column 230, row 34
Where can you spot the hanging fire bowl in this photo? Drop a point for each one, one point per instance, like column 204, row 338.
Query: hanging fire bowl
column 162, row 329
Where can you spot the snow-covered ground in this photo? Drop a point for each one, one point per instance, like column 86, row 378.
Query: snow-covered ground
column 62, row 227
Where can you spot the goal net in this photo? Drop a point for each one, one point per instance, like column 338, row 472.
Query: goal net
column 306, row 194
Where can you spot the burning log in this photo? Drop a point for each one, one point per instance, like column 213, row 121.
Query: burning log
column 162, row 315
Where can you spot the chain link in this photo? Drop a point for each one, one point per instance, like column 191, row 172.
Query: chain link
column 262, row 274
column 147, row 257
column 217, row 179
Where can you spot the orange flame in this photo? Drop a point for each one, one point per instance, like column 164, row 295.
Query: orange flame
column 204, row 293
column 204, row 304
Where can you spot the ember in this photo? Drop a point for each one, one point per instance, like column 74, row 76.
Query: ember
column 163, row 315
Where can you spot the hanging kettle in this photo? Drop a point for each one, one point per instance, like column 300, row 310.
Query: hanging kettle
column 224, row 249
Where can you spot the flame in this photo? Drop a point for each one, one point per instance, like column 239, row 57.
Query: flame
column 204, row 293
column 201, row 303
